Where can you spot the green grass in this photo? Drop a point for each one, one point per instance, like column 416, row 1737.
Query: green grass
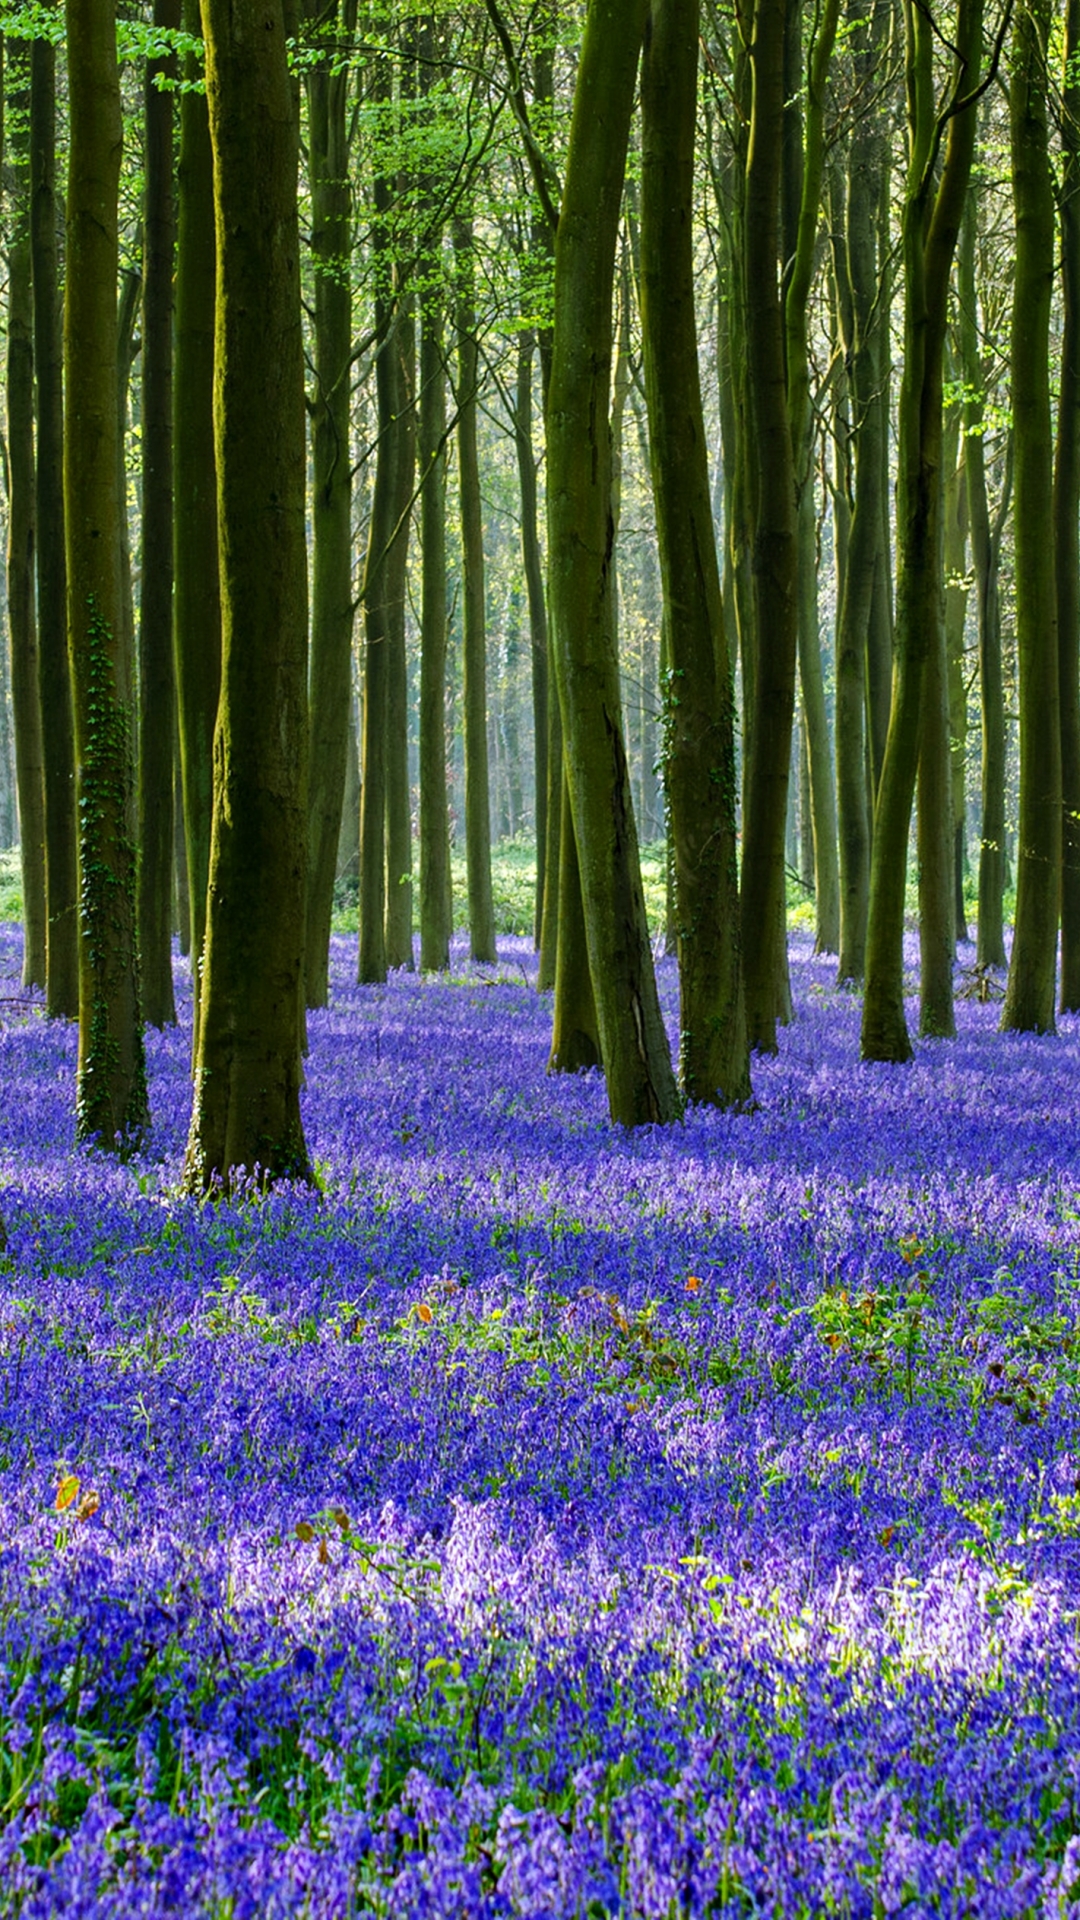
column 11, row 906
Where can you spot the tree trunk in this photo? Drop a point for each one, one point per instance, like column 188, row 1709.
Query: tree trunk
column 1029, row 996
column 111, row 1103
column 58, row 746
column 549, row 919
column 533, row 563
column 477, row 802
column 990, row 945
column 399, row 889
column 575, row 1036
column 22, row 623
column 331, row 501
column 157, row 687
column 246, row 1116
column 956, row 600
column 774, row 559
column 1067, row 517
column 930, row 225
column 197, row 593
column 436, row 922
column 699, row 690
column 633, row 1043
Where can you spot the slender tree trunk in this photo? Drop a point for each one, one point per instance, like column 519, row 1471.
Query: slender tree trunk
column 533, row 563
column 111, row 1104
column 61, row 843
column 1067, row 518
column 246, row 1114
column 699, row 692
column 990, row 946
column 331, row 501
column 1029, row 995
column 477, row 801
column 197, row 593
column 399, row 889
column 436, row 923
column 575, row 1035
column 930, row 225
column 549, row 919
column 956, row 600
column 157, row 687
column 22, row 622
column 775, row 608
column 633, row 1043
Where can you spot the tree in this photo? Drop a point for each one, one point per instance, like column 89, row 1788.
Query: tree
column 112, row 1106
column 700, row 760
column 58, row 745
column 640, row 1082
column 157, row 685
column 932, row 209
column 474, row 596
column 246, row 1113
column 1029, row 996
column 1067, row 516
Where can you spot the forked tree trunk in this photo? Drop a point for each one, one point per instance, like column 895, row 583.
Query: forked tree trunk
column 111, row 1107
column 699, row 692
column 246, row 1114
column 633, row 1043
column 58, row 746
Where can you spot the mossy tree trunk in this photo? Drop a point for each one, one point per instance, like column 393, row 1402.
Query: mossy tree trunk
column 1029, row 995
column 111, row 1101
column 699, row 691
column 1067, row 516
column 197, row 593
column 58, row 746
column 774, row 551
column 331, row 501
column 477, row 799
column 933, row 205
column 22, row 621
column 157, row 684
column 246, row 1113
column 633, row 1043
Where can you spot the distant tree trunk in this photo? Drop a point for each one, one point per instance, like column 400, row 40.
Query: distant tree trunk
column 331, row 497
column 246, row 1114
column 930, row 224
column 633, row 1043
column 157, row 687
column 61, row 841
column 956, row 599
column 533, row 563
column 22, row 623
column 1067, row 517
column 399, row 889
column 985, row 544
column 197, row 598
column 111, row 1104
column 477, row 801
column 436, row 923
column 1029, row 995
column 774, row 562
column 699, row 693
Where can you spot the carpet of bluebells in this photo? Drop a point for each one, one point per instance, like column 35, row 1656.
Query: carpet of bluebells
column 543, row 1520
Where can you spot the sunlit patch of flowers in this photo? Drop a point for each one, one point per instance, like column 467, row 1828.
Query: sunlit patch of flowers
column 540, row 1520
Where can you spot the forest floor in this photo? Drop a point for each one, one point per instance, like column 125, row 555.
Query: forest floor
column 541, row 1519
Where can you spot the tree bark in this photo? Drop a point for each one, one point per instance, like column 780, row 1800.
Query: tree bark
column 575, row 1034
column 436, row 921
column 197, row 592
column 1067, row 517
column 533, row 563
column 640, row 1082
column 1029, row 995
column 699, row 691
column 774, row 552
column 399, row 886
column 331, row 492
column 157, row 686
column 58, row 745
column 111, row 1108
column 22, row 621
column 246, row 1115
